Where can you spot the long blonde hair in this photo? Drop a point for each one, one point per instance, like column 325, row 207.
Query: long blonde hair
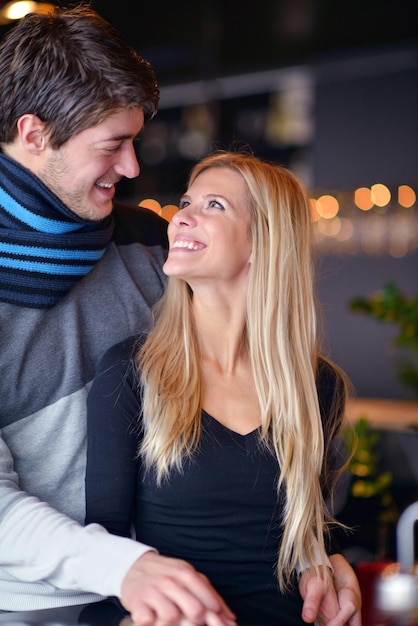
column 281, row 339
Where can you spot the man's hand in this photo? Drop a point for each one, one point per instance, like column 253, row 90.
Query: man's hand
column 160, row 589
column 332, row 607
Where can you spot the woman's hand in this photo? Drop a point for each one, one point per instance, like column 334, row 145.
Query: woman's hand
column 340, row 606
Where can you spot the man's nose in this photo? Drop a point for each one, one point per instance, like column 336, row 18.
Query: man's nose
column 128, row 165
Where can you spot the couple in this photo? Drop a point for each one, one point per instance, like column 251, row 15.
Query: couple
column 81, row 272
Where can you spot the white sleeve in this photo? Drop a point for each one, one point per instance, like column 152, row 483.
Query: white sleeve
column 301, row 566
column 39, row 543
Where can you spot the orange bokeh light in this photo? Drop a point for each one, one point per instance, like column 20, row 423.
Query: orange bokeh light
column 168, row 211
column 151, row 204
column 380, row 194
column 363, row 198
column 314, row 211
column 327, row 206
column 406, row 196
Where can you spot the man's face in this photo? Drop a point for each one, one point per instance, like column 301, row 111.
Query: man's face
column 83, row 172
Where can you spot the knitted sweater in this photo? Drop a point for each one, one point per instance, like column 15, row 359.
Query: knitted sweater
column 48, row 359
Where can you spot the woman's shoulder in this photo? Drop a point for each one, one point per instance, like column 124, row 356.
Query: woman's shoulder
column 124, row 349
column 332, row 386
column 328, row 374
column 120, row 356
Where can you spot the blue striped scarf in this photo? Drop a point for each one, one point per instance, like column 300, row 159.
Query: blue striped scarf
column 45, row 249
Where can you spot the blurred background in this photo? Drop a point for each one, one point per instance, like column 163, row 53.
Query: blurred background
column 328, row 89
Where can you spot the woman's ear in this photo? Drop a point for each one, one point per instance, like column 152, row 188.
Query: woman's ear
column 31, row 131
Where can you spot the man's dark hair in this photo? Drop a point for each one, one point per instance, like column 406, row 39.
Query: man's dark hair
column 72, row 69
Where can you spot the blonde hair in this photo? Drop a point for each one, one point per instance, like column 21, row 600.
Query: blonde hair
column 281, row 338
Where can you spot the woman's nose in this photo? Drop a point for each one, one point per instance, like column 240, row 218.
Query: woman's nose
column 184, row 217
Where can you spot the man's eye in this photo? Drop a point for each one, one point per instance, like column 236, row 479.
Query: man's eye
column 113, row 148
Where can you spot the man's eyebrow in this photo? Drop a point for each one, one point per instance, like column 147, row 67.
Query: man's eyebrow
column 123, row 137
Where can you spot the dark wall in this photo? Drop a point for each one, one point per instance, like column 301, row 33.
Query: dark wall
column 366, row 120
column 361, row 345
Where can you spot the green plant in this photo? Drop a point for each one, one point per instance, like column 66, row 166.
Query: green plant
column 371, row 481
column 390, row 305
column 368, row 479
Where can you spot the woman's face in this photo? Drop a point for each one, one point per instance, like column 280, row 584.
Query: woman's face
column 210, row 236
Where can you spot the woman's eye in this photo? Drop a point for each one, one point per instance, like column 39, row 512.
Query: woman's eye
column 216, row 205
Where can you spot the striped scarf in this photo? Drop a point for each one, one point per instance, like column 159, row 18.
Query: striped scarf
column 45, row 249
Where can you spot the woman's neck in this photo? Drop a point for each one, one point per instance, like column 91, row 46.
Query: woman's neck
column 220, row 325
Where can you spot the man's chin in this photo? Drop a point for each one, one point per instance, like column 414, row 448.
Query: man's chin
column 98, row 212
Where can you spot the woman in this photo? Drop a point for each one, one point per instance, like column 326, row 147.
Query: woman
column 214, row 434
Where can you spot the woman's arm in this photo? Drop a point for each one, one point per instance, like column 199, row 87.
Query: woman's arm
column 155, row 588
column 338, row 606
column 112, row 440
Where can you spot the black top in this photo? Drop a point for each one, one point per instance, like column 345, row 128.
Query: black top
column 221, row 513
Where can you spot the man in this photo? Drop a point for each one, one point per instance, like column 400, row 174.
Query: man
column 78, row 272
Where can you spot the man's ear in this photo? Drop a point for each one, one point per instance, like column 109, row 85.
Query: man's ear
column 32, row 133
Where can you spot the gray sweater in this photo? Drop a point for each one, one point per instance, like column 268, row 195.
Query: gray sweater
column 48, row 360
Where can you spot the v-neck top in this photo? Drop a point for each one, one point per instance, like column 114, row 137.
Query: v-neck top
column 221, row 513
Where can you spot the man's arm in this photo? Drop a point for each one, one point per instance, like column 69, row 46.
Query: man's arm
column 37, row 543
